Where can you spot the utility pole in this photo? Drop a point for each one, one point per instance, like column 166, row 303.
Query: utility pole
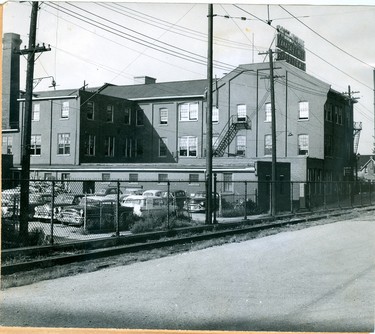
column 209, row 117
column 26, row 131
column 273, row 119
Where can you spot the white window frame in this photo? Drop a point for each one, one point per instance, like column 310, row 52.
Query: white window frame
column 188, row 142
column 90, row 145
column 110, row 113
column 163, row 116
column 127, row 115
column 303, row 144
column 303, row 110
column 215, row 115
column 36, row 145
column 228, row 182
column 163, row 146
column 65, row 109
column 241, row 144
column 63, row 144
column 7, row 145
column 36, row 112
column 268, row 112
column 241, row 112
column 90, row 107
column 109, row 146
column 188, row 112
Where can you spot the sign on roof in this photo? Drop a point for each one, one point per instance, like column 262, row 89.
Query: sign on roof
column 291, row 48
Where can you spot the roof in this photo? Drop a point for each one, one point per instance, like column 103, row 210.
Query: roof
column 364, row 160
column 177, row 89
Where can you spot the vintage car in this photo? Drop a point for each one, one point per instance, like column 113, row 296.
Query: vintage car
column 197, row 202
column 145, row 204
column 44, row 212
column 92, row 212
column 152, row 193
column 176, row 197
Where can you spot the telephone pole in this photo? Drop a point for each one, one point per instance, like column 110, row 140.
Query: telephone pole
column 209, row 205
column 26, row 131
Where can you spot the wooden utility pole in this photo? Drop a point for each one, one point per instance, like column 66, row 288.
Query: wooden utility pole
column 273, row 117
column 209, row 118
column 26, row 131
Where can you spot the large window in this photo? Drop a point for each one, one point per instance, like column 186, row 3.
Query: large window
column 215, row 141
column 36, row 145
column 162, row 178
column 90, row 145
column 163, row 143
column 268, row 113
column 268, row 145
column 140, row 116
column 303, row 144
column 63, row 143
column 215, row 115
column 240, row 145
column 303, row 110
column 188, row 111
column 241, row 112
column 128, row 147
column 36, row 112
column 7, row 145
column 228, row 182
column 65, row 109
column 109, row 146
column 110, row 110
column 163, row 116
column 90, row 110
column 127, row 115
column 328, row 112
column 188, row 146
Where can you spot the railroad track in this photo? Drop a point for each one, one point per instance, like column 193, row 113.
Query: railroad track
column 123, row 245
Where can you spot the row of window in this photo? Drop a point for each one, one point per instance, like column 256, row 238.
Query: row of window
column 64, row 112
column 303, row 111
column 335, row 114
column 63, row 144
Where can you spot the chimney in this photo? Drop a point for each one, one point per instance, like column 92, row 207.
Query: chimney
column 144, row 80
column 10, row 81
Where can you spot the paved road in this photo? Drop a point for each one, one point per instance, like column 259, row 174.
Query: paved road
column 317, row 279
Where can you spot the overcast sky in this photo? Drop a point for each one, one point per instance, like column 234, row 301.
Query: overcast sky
column 113, row 42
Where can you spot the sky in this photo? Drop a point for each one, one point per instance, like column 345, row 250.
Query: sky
column 104, row 42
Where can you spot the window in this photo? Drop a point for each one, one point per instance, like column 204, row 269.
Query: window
column 162, row 178
column 36, row 112
column 163, row 143
column 7, row 145
column 241, row 112
column 109, row 146
column 90, row 110
column 65, row 176
column 140, row 116
column 193, row 178
column 303, row 144
column 188, row 111
column 163, row 114
column 128, row 147
column 336, row 114
column 240, row 145
column 328, row 145
column 228, row 182
column 215, row 115
column 303, row 110
column 339, row 118
column 133, row 178
column 188, row 146
column 36, row 145
column 268, row 113
column 328, row 111
column 110, row 109
column 215, row 141
column 268, row 145
column 63, row 143
column 106, row 176
column 65, row 109
column 127, row 115
column 90, row 145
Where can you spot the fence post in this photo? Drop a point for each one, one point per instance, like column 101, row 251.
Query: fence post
column 85, row 214
column 118, row 209
column 370, row 192
column 360, row 191
column 214, row 202
column 52, row 210
column 338, row 194
column 168, row 196
column 245, row 202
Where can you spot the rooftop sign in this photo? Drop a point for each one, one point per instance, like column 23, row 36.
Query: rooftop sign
column 291, row 48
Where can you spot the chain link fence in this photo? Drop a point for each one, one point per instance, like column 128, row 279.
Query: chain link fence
column 73, row 210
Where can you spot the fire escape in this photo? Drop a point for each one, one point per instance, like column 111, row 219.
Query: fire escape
column 357, row 127
column 228, row 133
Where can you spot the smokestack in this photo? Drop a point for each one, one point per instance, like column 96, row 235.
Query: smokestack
column 10, row 81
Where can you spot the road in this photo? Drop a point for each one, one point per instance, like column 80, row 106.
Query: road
column 320, row 278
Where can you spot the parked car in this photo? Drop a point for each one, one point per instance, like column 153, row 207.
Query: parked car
column 152, row 193
column 93, row 211
column 142, row 204
column 197, row 202
column 176, row 197
column 109, row 193
column 45, row 211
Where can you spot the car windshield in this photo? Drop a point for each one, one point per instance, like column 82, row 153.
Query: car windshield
column 64, row 199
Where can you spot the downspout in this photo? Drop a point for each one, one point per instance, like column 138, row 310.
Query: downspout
column 50, row 136
column 286, row 114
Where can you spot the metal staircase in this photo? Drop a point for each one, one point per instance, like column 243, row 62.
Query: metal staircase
column 230, row 130
column 357, row 128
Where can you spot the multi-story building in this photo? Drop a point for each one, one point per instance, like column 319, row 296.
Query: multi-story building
column 155, row 130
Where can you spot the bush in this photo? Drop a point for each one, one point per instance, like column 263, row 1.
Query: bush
column 151, row 221
column 107, row 222
column 37, row 237
column 238, row 209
